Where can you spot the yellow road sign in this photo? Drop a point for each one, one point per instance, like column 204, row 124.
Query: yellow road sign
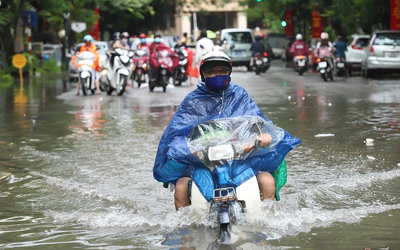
column 19, row 61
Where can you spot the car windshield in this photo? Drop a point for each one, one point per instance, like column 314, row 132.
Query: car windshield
column 238, row 37
column 387, row 39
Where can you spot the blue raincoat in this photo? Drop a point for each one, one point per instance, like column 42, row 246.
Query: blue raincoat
column 174, row 157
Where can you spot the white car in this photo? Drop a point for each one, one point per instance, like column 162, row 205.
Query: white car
column 102, row 48
column 355, row 51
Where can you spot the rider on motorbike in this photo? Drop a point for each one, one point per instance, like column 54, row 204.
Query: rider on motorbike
column 340, row 48
column 142, row 43
column 90, row 46
column 325, row 43
column 215, row 97
column 299, row 47
column 257, row 47
column 155, row 46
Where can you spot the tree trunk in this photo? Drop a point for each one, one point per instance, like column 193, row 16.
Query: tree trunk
column 8, row 43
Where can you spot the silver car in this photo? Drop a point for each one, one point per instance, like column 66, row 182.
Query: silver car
column 382, row 53
column 237, row 44
column 102, row 48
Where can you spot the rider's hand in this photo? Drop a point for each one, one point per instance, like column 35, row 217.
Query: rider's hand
column 264, row 140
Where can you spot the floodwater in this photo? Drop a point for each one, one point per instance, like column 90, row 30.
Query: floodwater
column 77, row 171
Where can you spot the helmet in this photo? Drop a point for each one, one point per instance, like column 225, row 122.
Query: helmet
column 339, row 37
column 117, row 35
column 324, row 35
column 299, row 37
column 157, row 34
column 262, row 35
column 125, row 35
column 258, row 38
column 142, row 35
column 88, row 38
column 215, row 59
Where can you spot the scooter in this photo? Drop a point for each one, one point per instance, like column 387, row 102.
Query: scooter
column 300, row 64
column 117, row 71
column 340, row 66
column 261, row 63
column 86, row 70
column 325, row 64
column 223, row 145
column 161, row 69
column 140, row 64
column 179, row 74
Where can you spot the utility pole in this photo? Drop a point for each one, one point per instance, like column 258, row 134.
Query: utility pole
column 66, row 16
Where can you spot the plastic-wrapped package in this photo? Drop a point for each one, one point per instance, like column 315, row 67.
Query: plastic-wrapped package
column 217, row 141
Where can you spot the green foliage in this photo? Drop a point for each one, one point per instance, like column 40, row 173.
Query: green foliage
column 344, row 17
column 5, row 79
column 50, row 66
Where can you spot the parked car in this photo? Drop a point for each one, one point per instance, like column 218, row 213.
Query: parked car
column 382, row 53
column 237, row 44
column 102, row 47
column 355, row 52
column 286, row 55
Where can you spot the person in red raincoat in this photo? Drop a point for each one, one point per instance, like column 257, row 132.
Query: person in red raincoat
column 157, row 45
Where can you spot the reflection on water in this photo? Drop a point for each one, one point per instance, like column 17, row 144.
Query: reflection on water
column 81, row 172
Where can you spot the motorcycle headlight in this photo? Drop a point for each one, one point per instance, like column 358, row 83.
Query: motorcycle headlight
column 124, row 59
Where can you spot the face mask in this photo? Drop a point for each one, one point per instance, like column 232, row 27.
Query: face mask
column 143, row 40
column 157, row 40
column 217, row 82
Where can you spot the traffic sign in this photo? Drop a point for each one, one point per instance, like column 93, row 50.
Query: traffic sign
column 78, row 27
column 19, row 61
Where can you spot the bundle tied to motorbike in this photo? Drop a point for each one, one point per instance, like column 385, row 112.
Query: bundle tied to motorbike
column 224, row 152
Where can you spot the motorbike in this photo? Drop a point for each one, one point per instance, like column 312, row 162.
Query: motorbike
column 86, row 69
column 261, row 63
column 300, row 64
column 324, row 67
column 340, row 66
column 140, row 64
column 223, row 146
column 161, row 68
column 117, row 71
column 180, row 74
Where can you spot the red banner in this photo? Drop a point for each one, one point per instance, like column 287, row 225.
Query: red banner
column 395, row 15
column 94, row 31
column 316, row 21
column 288, row 17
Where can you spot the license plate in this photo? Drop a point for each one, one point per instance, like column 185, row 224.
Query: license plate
column 391, row 54
column 238, row 52
column 322, row 64
column 259, row 62
column 301, row 63
column 340, row 65
column 265, row 59
column 220, row 152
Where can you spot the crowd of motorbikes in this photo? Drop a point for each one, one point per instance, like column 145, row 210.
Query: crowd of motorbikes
column 328, row 65
column 123, row 67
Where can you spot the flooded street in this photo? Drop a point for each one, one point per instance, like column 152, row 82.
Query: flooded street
column 77, row 170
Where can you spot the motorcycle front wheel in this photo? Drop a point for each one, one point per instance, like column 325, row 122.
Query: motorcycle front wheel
column 83, row 83
column 177, row 78
column 139, row 79
column 123, row 81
